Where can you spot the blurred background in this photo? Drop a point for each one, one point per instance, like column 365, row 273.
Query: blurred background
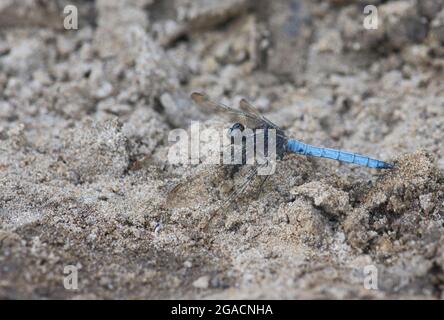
column 86, row 106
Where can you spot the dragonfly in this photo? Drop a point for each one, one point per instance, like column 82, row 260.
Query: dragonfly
column 247, row 116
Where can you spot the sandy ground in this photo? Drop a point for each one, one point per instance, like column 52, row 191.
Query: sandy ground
column 84, row 177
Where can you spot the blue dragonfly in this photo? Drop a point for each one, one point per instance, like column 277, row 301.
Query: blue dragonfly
column 247, row 116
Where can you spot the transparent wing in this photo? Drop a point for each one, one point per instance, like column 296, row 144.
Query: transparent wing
column 184, row 193
column 247, row 107
column 237, row 191
column 249, row 120
column 193, row 189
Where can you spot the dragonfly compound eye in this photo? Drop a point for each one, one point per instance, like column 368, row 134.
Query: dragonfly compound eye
column 235, row 129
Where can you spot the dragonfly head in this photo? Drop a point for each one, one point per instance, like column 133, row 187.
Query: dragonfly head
column 236, row 129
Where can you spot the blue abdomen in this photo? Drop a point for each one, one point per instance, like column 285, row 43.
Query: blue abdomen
column 299, row 147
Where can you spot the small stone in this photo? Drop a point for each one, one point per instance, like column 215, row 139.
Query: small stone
column 333, row 201
column 416, row 54
column 104, row 90
column 437, row 27
column 429, row 8
column 202, row 283
column 426, row 202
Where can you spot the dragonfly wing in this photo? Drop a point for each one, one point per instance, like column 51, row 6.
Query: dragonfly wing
column 190, row 190
column 204, row 101
column 238, row 189
column 247, row 107
column 249, row 120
